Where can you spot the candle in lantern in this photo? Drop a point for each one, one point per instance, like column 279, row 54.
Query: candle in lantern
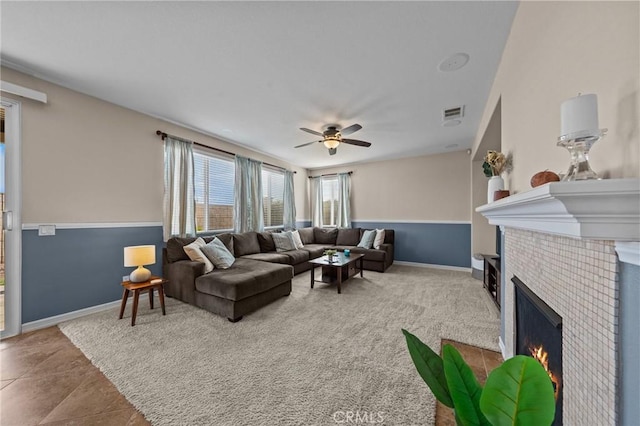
column 579, row 114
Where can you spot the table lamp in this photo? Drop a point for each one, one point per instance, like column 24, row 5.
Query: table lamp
column 139, row 256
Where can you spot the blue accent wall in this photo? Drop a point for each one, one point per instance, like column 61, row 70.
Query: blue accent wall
column 303, row 224
column 446, row 244
column 629, row 341
column 78, row 268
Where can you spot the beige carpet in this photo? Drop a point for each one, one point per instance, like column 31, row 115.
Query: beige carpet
column 307, row 359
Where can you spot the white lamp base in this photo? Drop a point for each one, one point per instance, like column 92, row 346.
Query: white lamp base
column 140, row 275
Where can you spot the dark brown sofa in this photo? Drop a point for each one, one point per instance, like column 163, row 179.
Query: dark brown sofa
column 259, row 274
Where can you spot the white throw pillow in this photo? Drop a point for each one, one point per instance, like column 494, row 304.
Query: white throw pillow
column 218, row 254
column 296, row 239
column 194, row 252
column 283, row 241
column 379, row 238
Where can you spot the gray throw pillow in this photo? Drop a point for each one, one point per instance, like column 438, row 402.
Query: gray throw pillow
column 367, row 239
column 218, row 254
column 284, row 241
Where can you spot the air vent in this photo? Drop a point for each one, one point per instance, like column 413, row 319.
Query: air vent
column 453, row 113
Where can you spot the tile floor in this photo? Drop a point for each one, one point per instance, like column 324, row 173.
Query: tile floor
column 46, row 380
column 481, row 361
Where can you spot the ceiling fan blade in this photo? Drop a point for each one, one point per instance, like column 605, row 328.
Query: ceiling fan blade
column 306, row 144
column 351, row 129
column 313, row 132
column 332, row 151
column 356, row 142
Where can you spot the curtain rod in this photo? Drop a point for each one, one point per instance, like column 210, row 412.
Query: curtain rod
column 331, row 174
column 164, row 135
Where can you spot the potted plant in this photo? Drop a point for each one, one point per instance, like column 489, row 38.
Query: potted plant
column 330, row 253
column 495, row 163
column 519, row 392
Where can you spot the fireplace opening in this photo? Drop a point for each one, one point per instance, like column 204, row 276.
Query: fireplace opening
column 539, row 335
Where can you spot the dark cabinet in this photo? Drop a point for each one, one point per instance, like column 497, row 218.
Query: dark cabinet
column 491, row 280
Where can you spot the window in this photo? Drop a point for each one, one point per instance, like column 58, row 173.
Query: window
column 273, row 197
column 329, row 200
column 214, row 178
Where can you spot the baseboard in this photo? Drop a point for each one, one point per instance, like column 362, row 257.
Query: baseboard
column 433, row 266
column 57, row 319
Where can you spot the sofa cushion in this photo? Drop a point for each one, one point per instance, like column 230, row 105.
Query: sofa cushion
column 297, row 256
column 306, row 235
column 175, row 249
column 227, row 240
column 272, row 257
column 315, row 250
column 218, row 254
column 266, row 242
column 367, row 239
column 370, row 254
column 244, row 279
column 348, row 237
column 325, row 236
column 245, row 243
column 284, row 242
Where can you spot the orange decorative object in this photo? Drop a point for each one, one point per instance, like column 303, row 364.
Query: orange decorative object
column 500, row 194
column 541, row 178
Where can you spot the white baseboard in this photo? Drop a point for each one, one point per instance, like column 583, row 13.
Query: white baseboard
column 433, row 266
column 57, row 319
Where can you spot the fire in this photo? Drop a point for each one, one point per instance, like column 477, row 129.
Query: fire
column 542, row 357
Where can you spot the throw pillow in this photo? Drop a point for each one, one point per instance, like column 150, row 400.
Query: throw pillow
column 218, row 254
column 296, row 239
column 367, row 239
column 284, row 241
column 194, row 251
column 379, row 238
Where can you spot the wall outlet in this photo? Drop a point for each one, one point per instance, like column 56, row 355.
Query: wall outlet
column 125, row 278
column 46, row 230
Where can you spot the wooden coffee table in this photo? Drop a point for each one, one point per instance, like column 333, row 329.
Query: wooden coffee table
column 339, row 270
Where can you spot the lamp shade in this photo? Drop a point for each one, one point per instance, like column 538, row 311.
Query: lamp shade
column 331, row 142
column 139, row 255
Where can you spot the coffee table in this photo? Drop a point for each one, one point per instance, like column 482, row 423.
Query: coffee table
column 339, row 270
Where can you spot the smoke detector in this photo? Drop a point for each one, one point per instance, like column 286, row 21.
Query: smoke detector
column 454, row 62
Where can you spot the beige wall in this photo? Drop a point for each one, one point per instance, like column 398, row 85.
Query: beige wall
column 87, row 160
column 555, row 51
column 426, row 188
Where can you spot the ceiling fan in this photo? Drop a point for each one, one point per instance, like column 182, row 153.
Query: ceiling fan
column 332, row 136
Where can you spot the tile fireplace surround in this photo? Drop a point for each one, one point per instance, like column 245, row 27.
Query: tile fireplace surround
column 561, row 240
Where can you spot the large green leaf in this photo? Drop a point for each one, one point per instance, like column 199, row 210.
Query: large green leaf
column 430, row 367
column 463, row 387
column 519, row 392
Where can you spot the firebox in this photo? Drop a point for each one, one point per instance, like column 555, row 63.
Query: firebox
column 539, row 335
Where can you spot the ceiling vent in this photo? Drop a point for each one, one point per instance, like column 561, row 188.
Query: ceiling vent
column 454, row 113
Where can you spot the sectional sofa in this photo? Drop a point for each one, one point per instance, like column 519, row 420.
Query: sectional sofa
column 260, row 274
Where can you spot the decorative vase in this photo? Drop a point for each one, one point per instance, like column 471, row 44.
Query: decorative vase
column 496, row 183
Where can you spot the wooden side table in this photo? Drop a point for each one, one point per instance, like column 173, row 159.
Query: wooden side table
column 136, row 288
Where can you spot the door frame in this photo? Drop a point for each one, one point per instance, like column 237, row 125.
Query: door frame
column 13, row 202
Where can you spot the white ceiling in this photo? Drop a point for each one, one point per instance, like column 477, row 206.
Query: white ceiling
column 252, row 73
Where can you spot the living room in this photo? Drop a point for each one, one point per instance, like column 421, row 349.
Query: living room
column 95, row 169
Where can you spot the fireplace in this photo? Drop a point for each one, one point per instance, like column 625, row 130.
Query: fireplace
column 538, row 333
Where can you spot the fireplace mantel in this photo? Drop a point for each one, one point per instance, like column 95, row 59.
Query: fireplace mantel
column 595, row 209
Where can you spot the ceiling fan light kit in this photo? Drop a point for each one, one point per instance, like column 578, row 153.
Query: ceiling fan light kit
column 332, row 137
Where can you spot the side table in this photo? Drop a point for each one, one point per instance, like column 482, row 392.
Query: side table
column 136, row 288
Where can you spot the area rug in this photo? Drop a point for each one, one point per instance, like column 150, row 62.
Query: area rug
column 313, row 358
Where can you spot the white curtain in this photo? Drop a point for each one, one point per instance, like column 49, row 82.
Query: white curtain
column 343, row 218
column 247, row 208
column 179, row 200
column 316, row 201
column 289, row 219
